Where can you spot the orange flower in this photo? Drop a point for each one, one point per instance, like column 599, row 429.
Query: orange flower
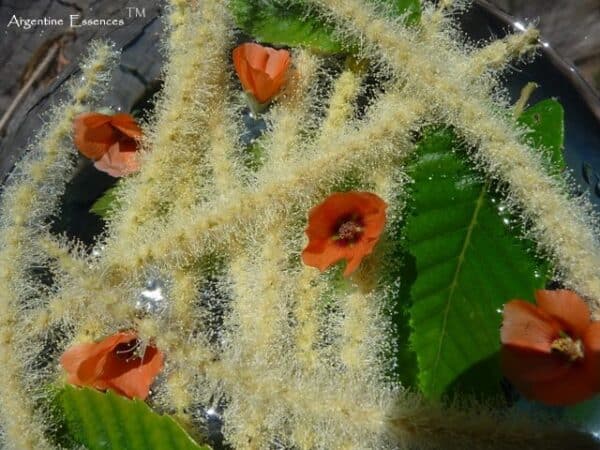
column 551, row 352
column 113, row 364
column 108, row 140
column 346, row 226
column 261, row 70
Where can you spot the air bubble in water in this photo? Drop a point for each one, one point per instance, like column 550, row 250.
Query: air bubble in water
column 152, row 300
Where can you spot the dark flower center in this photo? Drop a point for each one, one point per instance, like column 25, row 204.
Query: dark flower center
column 568, row 347
column 349, row 231
column 127, row 351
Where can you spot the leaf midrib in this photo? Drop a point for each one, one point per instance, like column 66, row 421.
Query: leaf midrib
column 454, row 283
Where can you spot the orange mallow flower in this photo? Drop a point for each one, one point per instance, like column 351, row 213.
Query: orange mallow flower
column 347, row 225
column 551, row 352
column 110, row 141
column 114, row 363
column 262, row 70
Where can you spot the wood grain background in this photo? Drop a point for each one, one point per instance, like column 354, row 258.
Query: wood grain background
column 22, row 49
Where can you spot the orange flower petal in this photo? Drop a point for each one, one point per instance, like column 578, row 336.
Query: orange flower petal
column 243, row 70
column 127, row 125
column 591, row 339
column 84, row 361
column 323, row 218
column 136, row 380
column 92, row 119
column 74, row 357
column 362, row 248
column 526, row 326
column 526, row 366
column 323, row 259
column 264, row 86
column 277, row 64
column 527, row 357
column 352, row 265
column 93, row 134
column 261, row 70
column 591, row 342
column 100, row 366
column 567, row 307
column 118, row 163
column 374, row 223
column 256, row 55
column 577, row 385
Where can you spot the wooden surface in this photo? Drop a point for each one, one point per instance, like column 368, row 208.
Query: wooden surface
column 22, row 49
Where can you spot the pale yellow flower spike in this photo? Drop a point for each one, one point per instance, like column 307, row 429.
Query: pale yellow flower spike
column 27, row 202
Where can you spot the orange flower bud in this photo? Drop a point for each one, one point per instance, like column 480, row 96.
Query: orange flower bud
column 261, row 70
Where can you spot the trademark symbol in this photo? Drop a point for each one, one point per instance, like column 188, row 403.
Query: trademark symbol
column 132, row 11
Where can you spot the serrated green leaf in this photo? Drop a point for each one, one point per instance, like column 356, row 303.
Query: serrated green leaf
column 104, row 421
column 290, row 23
column 545, row 121
column 469, row 263
column 106, row 203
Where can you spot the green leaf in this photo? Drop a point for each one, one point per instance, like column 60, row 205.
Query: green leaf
column 545, row 121
column 285, row 23
column 104, row 421
column 106, row 203
column 412, row 9
column 291, row 23
column 469, row 263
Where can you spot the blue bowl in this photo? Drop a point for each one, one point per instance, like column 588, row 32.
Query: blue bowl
column 556, row 79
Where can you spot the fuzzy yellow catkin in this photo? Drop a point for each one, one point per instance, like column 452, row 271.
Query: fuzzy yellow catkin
column 264, row 309
column 177, row 12
column 183, row 321
column 25, row 205
column 560, row 225
column 176, row 142
column 226, row 172
column 362, row 325
column 307, row 286
column 290, row 116
column 258, row 322
column 308, row 290
column 341, row 104
column 435, row 17
column 496, row 55
column 314, row 402
column 355, row 330
column 68, row 259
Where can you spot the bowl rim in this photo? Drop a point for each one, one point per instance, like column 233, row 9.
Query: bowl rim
column 583, row 88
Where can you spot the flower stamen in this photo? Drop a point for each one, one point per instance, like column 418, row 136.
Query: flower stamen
column 569, row 348
column 127, row 351
column 349, row 231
